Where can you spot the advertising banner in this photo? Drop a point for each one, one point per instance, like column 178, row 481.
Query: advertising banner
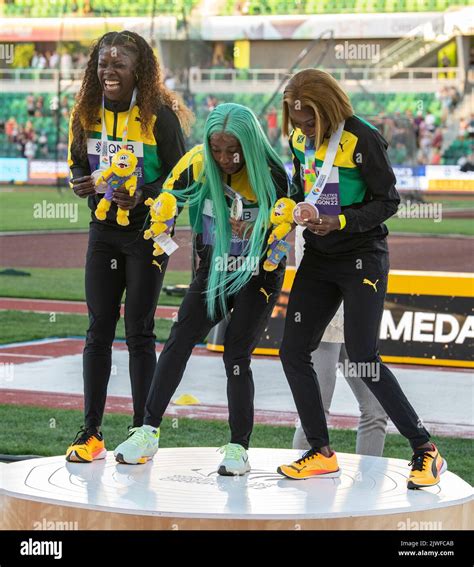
column 13, row 170
column 428, row 319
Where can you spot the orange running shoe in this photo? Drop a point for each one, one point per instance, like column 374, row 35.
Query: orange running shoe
column 427, row 466
column 87, row 446
column 312, row 464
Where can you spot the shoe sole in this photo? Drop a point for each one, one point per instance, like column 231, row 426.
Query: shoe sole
column 224, row 472
column 142, row 461
column 335, row 474
column 413, row 486
column 73, row 457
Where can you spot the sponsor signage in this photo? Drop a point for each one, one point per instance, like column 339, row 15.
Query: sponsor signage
column 13, row 170
column 428, row 319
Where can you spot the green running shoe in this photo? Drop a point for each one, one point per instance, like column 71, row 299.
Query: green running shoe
column 140, row 446
column 235, row 462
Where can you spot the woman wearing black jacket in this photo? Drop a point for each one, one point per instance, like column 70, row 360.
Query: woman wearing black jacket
column 122, row 102
column 341, row 163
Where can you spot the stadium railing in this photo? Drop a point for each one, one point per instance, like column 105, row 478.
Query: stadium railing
column 416, row 79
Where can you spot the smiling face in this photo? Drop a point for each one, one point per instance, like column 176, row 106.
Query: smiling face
column 116, row 72
column 124, row 163
column 227, row 152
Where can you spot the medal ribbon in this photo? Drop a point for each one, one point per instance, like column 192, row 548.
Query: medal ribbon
column 104, row 146
column 325, row 171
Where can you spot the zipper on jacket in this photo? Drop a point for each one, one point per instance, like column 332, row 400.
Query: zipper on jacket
column 115, row 127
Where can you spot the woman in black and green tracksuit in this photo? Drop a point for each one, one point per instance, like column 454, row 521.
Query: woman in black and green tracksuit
column 235, row 161
column 345, row 258
column 121, row 85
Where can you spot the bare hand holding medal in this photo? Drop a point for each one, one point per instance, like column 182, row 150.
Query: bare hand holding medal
column 306, row 213
column 323, row 225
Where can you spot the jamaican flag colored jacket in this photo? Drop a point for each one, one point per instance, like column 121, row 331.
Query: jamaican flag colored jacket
column 367, row 192
column 189, row 169
column 157, row 152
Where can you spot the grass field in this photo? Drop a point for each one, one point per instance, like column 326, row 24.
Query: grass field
column 20, row 208
column 462, row 227
column 18, row 326
column 43, row 431
column 68, row 284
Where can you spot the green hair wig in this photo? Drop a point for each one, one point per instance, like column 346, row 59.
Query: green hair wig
column 240, row 122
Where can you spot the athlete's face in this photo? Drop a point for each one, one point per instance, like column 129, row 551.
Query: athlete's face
column 305, row 120
column 116, row 72
column 227, row 152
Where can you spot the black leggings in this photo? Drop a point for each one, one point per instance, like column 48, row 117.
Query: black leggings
column 118, row 260
column 251, row 311
column 320, row 285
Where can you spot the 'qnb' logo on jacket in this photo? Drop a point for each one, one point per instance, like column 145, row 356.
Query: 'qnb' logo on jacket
column 94, row 147
column 114, row 147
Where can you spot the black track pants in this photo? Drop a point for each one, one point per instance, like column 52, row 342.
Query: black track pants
column 118, row 261
column 252, row 309
column 319, row 287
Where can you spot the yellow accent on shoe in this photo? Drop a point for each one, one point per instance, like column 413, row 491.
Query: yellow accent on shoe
column 312, row 464
column 86, row 448
column 427, row 468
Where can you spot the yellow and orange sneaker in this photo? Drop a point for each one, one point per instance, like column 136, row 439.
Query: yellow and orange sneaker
column 312, row 464
column 427, row 466
column 87, row 446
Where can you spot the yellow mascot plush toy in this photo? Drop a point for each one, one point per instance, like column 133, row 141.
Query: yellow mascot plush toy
column 163, row 211
column 281, row 219
column 119, row 174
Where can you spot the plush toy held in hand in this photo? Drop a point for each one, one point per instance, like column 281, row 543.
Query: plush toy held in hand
column 119, row 174
column 281, row 218
column 163, row 211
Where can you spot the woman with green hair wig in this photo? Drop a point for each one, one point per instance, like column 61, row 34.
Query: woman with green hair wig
column 231, row 183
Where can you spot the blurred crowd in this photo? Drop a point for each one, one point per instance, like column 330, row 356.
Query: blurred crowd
column 54, row 60
column 466, row 127
column 32, row 142
column 27, row 141
column 415, row 138
column 466, row 138
column 35, row 106
column 425, row 146
column 429, row 138
column 449, row 97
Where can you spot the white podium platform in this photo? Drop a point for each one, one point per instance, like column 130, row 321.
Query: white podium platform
column 181, row 489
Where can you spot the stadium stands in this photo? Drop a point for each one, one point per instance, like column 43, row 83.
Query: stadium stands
column 392, row 113
column 39, row 127
column 460, row 148
column 55, row 8
column 257, row 7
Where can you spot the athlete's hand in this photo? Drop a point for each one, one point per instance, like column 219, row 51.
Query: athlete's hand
column 83, row 186
column 324, row 224
column 123, row 199
column 239, row 228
